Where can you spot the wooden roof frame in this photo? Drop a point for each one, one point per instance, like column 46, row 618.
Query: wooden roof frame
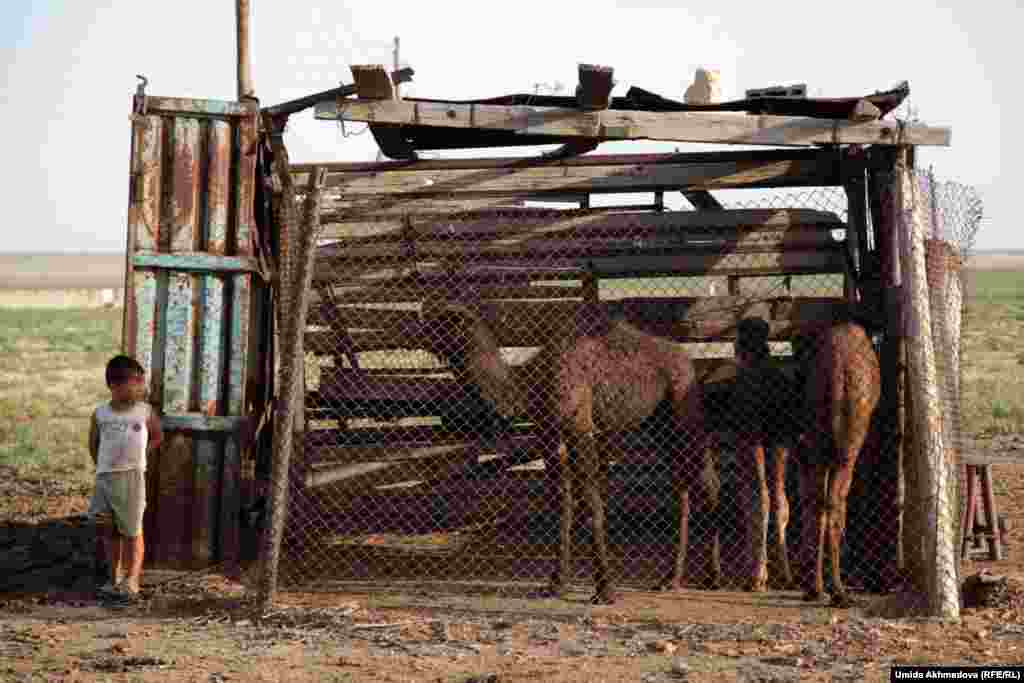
column 593, row 122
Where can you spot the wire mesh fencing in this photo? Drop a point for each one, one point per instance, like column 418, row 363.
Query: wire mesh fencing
column 603, row 396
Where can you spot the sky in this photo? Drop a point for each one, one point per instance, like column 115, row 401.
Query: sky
column 68, row 71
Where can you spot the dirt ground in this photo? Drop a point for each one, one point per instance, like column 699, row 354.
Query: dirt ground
column 202, row 626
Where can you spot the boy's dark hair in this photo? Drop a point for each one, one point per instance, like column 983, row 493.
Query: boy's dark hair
column 122, row 368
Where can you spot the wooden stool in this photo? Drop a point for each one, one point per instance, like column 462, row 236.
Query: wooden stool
column 976, row 535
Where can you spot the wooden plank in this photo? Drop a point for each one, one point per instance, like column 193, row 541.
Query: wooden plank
column 639, row 243
column 531, row 179
column 456, row 288
column 715, row 127
column 595, row 87
column 601, row 264
column 432, row 461
column 539, row 223
column 982, row 459
column 372, row 81
column 353, row 222
column 530, row 323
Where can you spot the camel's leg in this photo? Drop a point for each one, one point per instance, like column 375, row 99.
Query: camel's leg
column 587, row 460
column 813, row 482
column 674, row 581
column 559, row 582
column 710, row 487
column 754, row 500
column 780, row 503
column 839, row 490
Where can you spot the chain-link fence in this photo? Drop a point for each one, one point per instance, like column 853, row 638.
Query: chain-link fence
column 610, row 396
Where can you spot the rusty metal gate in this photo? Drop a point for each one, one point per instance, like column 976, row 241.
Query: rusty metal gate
column 196, row 311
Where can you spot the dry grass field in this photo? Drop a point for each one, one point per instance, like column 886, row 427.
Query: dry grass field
column 51, row 376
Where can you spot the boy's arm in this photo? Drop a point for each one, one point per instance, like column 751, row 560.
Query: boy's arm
column 156, row 434
column 94, row 439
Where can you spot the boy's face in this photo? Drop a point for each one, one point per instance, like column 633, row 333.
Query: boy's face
column 130, row 388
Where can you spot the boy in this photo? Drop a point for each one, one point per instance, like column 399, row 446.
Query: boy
column 120, row 433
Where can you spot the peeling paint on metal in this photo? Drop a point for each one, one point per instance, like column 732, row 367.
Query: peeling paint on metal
column 196, row 262
column 145, row 300
column 245, row 195
column 144, row 210
column 178, row 105
column 218, row 187
column 211, row 339
column 205, row 484
column 178, row 344
column 198, row 422
column 185, row 185
column 192, row 188
column 240, row 320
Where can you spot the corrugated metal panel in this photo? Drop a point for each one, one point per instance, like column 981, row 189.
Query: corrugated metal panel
column 191, row 285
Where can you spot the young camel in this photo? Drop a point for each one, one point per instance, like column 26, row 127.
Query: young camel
column 598, row 375
column 840, row 377
column 767, row 404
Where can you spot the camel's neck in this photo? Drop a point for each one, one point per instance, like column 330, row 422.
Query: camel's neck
column 496, row 380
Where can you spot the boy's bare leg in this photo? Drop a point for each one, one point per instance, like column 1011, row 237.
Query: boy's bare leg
column 134, row 550
column 115, row 541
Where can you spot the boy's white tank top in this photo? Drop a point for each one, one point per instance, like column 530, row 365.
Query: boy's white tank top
column 123, row 438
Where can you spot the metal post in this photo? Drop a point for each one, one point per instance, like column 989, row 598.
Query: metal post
column 245, row 87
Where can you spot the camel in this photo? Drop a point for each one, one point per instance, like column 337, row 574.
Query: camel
column 839, row 374
column 767, row 404
column 600, row 375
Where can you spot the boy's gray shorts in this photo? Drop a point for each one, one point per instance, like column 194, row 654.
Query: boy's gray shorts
column 123, row 496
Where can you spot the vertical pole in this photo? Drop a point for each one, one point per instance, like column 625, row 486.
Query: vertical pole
column 941, row 584
column 245, row 87
column 394, row 67
column 891, row 447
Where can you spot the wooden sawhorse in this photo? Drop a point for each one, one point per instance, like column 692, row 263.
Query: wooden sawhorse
column 978, row 533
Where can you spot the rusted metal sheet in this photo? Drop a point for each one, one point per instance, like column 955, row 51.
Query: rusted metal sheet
column 190, row 271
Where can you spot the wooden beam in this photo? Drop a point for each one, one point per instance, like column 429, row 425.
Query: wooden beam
column 613, row 124
column 531, row 323
column 605, row 265
column 406, row 184
column 594, row 91
column 508, row 225
column 372, row 81
column 452, row 289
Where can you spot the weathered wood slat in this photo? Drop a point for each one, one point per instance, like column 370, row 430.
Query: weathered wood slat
column 353, row 223
column 576, row 267
column 404, row 187
column 530, row 323
column 642, row 242
column 529, row 225
column 453, row 289
column 612, row 124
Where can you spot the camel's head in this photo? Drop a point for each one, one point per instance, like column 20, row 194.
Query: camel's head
column 456, row 333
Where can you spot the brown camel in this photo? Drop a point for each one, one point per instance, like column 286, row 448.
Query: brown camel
column 767, row 404
column 598, row 375
column 839, row 373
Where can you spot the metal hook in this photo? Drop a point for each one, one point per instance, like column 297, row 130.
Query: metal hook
column 140, row 90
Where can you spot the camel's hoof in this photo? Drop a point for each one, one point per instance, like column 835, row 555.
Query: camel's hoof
column 842, row 601
column 814, row 596
column 605, row 597
column 711, row 583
